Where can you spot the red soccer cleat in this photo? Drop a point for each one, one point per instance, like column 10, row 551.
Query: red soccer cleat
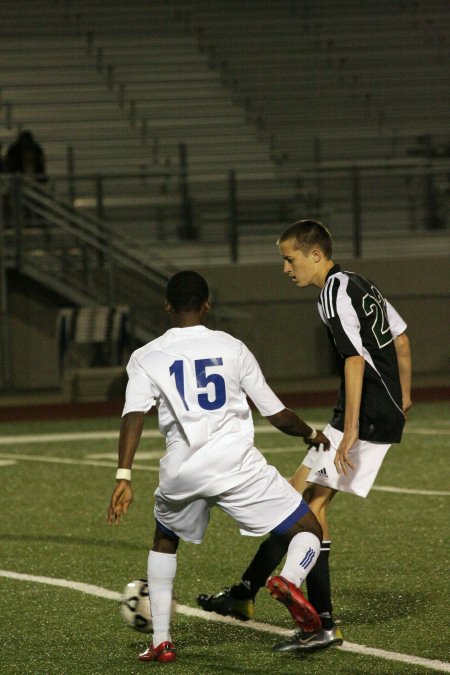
column 165, row 653
column 301, row 610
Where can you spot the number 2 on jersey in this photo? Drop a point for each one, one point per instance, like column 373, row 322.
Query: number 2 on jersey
column 203, row 380
column 374, row 304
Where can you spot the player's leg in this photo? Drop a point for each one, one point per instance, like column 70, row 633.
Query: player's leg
column 367, row 458
column 175, row 521
column 298, row 480
column 238, row 600
column 318, row 584
column 267, row 502
column 304, row 538
column 318, row 581
column 161, row 569
column 272, row 550
column 269, row 555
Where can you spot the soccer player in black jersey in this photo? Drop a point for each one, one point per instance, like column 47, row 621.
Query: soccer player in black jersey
column 374, row 361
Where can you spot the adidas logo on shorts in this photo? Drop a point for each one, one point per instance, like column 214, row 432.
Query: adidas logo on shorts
column 322, row 473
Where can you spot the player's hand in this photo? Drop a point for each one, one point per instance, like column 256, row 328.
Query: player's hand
column 406, row 406
column 320, row 439
column 121, row 499
column 342, row 460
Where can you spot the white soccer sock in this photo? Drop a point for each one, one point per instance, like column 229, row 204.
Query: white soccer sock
column 301, row 557
column 162, row 568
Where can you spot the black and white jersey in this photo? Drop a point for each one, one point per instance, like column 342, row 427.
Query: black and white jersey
column 361, row 322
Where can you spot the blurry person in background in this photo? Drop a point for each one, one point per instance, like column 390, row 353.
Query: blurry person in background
column 26, row 156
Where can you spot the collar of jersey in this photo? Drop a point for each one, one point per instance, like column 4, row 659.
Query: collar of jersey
column 199, row 326
column 334, row 270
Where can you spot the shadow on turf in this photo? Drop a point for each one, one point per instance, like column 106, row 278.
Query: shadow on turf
column 202, row 647
column 372, row 607
column 84, row 541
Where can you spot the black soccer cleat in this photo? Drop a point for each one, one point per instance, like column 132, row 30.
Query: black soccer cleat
column 223, row 603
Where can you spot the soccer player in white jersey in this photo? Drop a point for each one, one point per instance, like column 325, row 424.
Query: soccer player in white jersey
column 199, row 380
column 374, row 361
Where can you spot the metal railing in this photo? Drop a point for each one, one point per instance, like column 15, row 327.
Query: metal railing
column 78, row 255
column 356, row 199
column 87, row 259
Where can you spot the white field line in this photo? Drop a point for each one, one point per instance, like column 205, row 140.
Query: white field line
column 154, row 433
column 101, row 459
column 99, row 592
column 141, row 467
column 67, row 460
column 95, row 459
column 410, row 491
column 67, row 437
column 101, row 435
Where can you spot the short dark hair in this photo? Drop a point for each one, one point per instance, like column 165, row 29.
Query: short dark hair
column 187, row 291
column 309, row 233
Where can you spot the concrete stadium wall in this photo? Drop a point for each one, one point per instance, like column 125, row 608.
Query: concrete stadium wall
column 281, row 325
column 277, row 320
column 33, row 341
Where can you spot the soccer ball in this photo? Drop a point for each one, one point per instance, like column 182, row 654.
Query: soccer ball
column 135, row 606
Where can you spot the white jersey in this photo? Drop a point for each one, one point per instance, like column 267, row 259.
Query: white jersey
column 199, row 379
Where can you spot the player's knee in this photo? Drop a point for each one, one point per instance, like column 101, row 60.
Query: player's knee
column 165, row 545
column 163, row 542
column 318, row 530
column 312, row 525
column 307, row 523
column 308, row 493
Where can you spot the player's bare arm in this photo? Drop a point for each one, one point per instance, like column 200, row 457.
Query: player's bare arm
column 130, row 435
column 288, row 422
column 403, row 351
column 354, row 374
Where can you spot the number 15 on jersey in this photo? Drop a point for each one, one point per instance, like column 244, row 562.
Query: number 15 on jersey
column 203, row 379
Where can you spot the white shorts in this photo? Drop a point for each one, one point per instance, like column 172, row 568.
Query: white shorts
column 258, row 506
column 367, row 458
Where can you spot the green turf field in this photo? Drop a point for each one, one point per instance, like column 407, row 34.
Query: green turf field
column 389, row 560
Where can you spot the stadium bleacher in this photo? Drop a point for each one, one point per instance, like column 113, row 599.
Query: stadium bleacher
column 269, row 90
column 313, row 70
column 177, row 123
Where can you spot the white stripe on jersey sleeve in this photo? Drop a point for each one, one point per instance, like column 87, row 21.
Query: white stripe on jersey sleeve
column 349, row 321
column 326, row 297
column 396, row 323
column 347, row 316
column 345, row 309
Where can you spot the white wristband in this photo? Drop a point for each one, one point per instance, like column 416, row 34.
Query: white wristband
column 124, row 474
column 312, row 436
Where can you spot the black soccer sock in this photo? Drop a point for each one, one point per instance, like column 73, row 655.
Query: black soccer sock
column 319, row 589
column 267, row 558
